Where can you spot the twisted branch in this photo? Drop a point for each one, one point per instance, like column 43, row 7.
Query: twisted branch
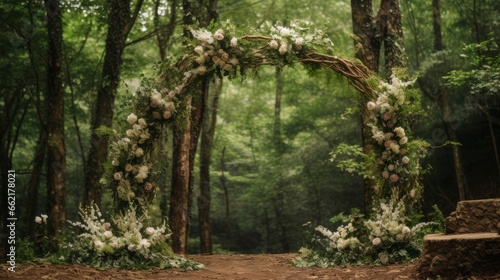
column 356, row 73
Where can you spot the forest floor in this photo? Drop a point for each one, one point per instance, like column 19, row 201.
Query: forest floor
column 251, row 267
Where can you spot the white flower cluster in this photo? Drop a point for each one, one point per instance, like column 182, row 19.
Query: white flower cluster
column 385, row 229
column 383, row 121
column 341, row 239
column 210, row 50
column 162, row 106
column 127, row 234
column 388, row 226
column 42, row 219
column 286, row 39
column 127, row 150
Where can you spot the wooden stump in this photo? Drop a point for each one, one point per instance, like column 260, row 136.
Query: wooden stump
column 470, row 249
column 459, row 256
column 475, row 216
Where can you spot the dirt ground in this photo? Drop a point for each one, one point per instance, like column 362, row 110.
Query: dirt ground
column 241, row 267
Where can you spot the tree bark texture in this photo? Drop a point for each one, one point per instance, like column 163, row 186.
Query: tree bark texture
column 389, row 22
column 436, row 25
column 183, row 181
column 120, row 21
column 180, row 181
column 366, row 43
column 204, row 200
column 199, row 104
column 367, row 46
column 56, row 153
column 370, row 33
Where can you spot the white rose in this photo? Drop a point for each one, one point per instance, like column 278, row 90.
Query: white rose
column 142, row 123
column 44, row 218
column 406, row 230
column 299, row 41
column 38, row 220
column 130, row 133
column 391, row 167
column 129, row 167
column 394, row 148
column 139, row 152
column 132, row 118
column 131, row 247
column 371, row 105
column 405, row 160
column 399, row 131
column 150, row 231
column 399, row 237
column 167, row 114
column 273, row 44
column 199, row 49
column 98, row 245
column 143, row 174
column 219, row 36
column 145, row 243
column 285, row 31
column 403, row 140
column 234, row 42
column 117, row 176
column 107, row 234
column 283, row 48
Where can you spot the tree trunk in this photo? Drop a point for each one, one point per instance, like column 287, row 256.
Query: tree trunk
column 443, row 102
column 204, row 200
column 56, row 153
column 436, row 24
column 369, row 34
column 120, row 21
column 183, row 181
column 389, row 17
column 180, row 181
column 199, row 104
column 367, row 47
column 366, row 43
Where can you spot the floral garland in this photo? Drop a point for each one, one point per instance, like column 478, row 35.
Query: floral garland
column 159, row 101
column 398, row 158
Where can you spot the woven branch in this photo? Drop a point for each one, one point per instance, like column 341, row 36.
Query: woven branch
column 356, row 73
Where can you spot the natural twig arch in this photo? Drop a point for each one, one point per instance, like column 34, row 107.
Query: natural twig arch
column 159, row 101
